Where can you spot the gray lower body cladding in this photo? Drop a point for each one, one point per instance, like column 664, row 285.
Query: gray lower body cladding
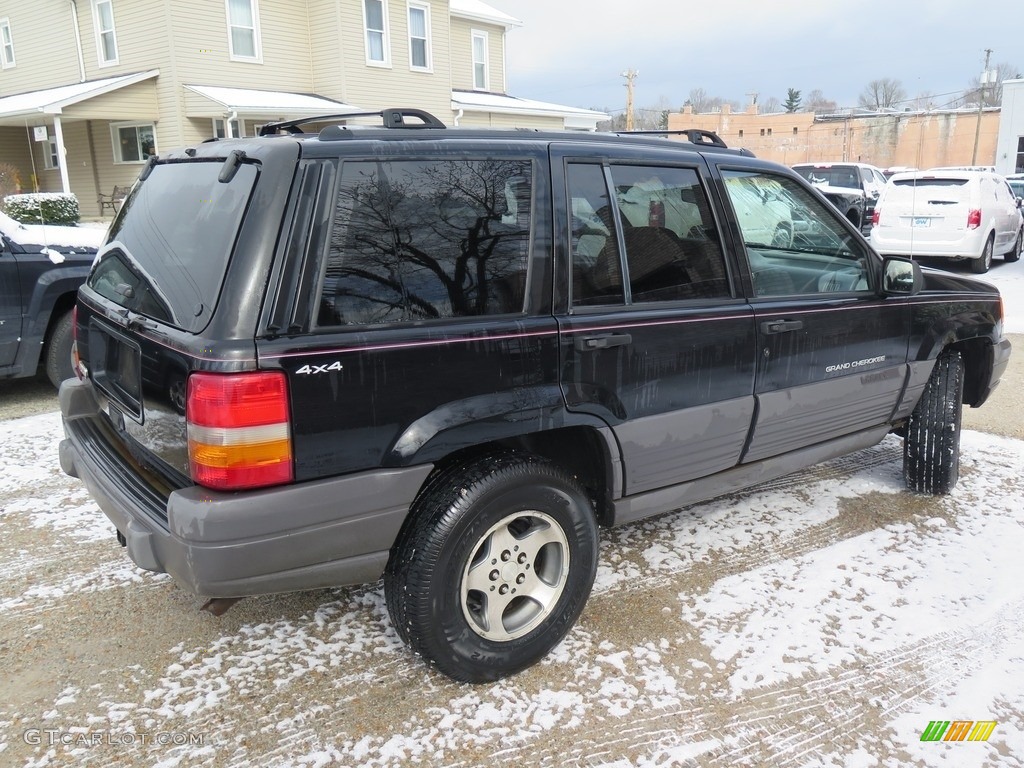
column 331, row 532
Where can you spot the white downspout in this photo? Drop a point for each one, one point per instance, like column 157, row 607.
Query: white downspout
column 78, row 42
column 62, row 161
column 458, row 116
column 229, row 133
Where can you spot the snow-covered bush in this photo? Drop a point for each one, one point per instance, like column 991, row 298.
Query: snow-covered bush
column 43, row 208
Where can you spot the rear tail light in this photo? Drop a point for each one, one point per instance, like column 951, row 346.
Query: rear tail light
column 76, row 361
column 875, row 216
column 238, row 430
column 974, row 219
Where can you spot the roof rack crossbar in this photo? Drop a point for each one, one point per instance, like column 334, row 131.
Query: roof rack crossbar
column 391, row 118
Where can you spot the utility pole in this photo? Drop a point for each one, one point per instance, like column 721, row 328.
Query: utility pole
column 630, row 75
column 981, row 106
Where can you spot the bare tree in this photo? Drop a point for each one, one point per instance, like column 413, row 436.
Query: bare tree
column 924, row 101
column 882, row 94
column 699, row 101
column 771, row 105
column 818, row 104
column 993, row 90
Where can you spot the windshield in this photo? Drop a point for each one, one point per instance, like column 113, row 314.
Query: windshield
column 169, row 247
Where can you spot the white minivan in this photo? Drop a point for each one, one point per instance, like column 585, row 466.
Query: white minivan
column 955, row 214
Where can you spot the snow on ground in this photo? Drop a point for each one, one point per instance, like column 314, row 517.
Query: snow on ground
column 819, row 620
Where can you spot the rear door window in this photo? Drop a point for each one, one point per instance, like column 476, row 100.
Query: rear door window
column 169, row 247
column 669, row 239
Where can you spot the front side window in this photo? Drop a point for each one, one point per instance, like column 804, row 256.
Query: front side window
column 6, row 44
column 426, row 239
column 106, row 39
column 481, row 76
column 243, row 30
column 419, row 37
column 375, row 16
column 133, row 143
column 795, row 244
column 670, row 241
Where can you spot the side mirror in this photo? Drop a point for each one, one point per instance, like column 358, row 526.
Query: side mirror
column 901, row 277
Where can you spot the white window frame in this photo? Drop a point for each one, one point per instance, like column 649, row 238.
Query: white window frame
column 50, row 160
column 479, row 34
column 115, row 139
column 384, row 33
column 428, row 53
column 237, row 128
column 257, row 40
column 101, row 59
column 6, row 44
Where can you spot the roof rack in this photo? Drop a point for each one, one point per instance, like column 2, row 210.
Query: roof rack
column 693, row 135
column 391, row 118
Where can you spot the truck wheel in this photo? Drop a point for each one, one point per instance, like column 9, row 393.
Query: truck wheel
column 1014, row 253
column 493, row 566
column 980, row 265
column 58, row 351
column 931, row 448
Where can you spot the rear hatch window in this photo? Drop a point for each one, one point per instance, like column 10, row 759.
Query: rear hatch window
column 168, row 249
column 931, row 196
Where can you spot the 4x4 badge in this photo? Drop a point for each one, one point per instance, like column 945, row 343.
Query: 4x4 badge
column 335, row 366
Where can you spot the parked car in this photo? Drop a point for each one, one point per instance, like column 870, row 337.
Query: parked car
column 447, row 356
column 852, row 187
column 949, row 214
column 1016, row 182
column 41, row 268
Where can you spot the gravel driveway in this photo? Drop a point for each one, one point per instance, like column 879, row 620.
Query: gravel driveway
column 823, row 619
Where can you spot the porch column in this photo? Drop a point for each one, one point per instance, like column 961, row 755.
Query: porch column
column 62, row 161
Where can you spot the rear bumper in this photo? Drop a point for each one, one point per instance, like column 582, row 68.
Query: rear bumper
column 331, row 532
column 891, row 242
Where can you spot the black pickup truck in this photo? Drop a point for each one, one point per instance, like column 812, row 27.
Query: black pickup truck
column 41, row 269
column 853, row 188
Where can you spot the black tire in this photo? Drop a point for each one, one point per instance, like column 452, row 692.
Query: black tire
column 1014, row 253
column 980, row 265
column 58, row 351
column 931, row 448
column 541, row 521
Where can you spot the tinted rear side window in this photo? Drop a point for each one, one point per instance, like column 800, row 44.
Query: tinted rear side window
column 169, row 247
column 422, row 239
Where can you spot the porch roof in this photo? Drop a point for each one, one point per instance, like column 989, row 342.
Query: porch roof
column 481, row 101
column 53, row 101
column 216, row 101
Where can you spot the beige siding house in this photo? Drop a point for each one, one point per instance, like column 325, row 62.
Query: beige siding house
column 120, row 80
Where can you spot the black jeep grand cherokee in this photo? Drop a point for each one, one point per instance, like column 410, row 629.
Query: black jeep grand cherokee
column 449, row 356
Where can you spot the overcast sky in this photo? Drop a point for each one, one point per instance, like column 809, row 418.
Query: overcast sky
column 573, row 51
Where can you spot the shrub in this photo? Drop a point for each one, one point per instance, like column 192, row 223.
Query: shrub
column 43, row 208
column 10, row 180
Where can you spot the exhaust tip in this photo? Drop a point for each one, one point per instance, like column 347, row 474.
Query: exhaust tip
column 218, row 606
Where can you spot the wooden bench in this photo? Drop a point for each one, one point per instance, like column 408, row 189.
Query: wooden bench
column 113, row 200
